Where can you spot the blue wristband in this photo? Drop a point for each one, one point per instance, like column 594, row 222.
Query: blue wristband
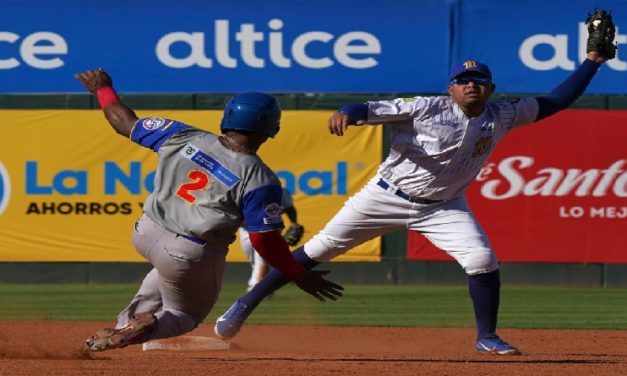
column 355, row 111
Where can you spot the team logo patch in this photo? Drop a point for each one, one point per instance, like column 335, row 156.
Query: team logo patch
column 470, row 64
column 273, row 210
column 153, row 123
column 5, row 188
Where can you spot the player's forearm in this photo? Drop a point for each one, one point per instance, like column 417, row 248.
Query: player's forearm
column 121, row 118
column 272, row 247
column 568, row 91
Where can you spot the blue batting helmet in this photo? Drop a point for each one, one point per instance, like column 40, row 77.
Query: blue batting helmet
column 252, row 112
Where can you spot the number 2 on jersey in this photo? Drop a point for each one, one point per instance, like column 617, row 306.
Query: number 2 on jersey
column 200, row 180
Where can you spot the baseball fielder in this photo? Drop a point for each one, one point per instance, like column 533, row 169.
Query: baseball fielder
column 206, row 186
column 438, row 147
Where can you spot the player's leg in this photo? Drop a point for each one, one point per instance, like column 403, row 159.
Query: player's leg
column 137, row 320
column 147, row 299
column 274, row 280
column 231, row 321
column 260, row 268
column 251, row 256
column 148, row 296
column 453, row 228
column 189, row 277
column 370, row 213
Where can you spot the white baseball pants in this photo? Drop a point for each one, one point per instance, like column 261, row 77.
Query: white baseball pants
column 374, row 211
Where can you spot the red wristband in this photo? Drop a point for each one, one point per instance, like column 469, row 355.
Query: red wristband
column 106, row 96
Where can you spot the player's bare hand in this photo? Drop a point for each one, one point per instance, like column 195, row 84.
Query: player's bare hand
column 94, row 79
column 312, row 283
column 338, row 122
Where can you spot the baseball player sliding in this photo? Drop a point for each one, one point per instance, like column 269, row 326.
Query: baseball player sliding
column 438, row 147
column 206, row 186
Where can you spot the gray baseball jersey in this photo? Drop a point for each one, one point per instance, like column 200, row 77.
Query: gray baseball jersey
column 204, row 190
column 436, row 149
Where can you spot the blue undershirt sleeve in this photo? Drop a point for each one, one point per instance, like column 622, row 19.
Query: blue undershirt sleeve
column 355, row 112
column 568, row 91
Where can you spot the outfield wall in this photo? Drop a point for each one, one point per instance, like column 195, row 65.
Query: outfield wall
column 75, row 191
column 394, row 267
column 186, row 47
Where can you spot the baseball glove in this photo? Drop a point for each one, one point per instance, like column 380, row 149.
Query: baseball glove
column 601, row 32
column 294, row 234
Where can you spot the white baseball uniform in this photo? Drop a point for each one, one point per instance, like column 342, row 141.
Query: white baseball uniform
column 436, row 152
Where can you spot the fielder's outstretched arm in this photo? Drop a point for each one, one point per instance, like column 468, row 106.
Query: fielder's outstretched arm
column 571, row 88
column 98, row 82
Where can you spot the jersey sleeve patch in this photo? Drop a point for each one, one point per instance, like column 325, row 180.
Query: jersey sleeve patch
column 262, row 209
column 152, row 132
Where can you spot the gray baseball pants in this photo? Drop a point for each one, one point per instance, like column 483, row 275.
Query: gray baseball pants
column 184, row 284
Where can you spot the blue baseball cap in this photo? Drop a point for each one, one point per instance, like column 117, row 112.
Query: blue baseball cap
column 471, row 66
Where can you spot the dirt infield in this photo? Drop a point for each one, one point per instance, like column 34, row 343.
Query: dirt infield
column 53, row 348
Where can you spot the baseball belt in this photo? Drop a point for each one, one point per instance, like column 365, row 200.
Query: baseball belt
column 417, row 200
column 195, row 240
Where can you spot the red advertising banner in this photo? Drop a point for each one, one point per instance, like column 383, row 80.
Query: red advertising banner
column 555, row 191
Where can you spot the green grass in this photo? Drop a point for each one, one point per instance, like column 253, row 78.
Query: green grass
column 409, row 306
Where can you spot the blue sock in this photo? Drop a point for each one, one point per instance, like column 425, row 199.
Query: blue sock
column 274, row 280
column 484, row 291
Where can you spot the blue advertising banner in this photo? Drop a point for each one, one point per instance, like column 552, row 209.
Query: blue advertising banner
column 532, row 46
column 299, row 46
column 224, row 47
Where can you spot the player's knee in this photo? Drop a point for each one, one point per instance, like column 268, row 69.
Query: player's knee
column 324, row 248
column 480, row 262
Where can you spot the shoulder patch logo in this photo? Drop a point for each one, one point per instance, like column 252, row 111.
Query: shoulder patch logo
column 153, row 123
column 273, row 210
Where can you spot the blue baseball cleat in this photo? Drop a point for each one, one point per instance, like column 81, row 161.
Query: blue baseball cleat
column 492, row 344
column 229, row 324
